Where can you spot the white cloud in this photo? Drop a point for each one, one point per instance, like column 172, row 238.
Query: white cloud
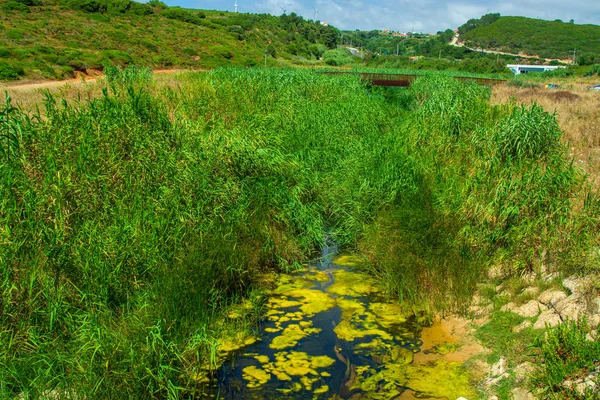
column 403, row 15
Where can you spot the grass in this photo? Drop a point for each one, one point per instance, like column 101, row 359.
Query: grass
column 135, row 218
column 56, row 39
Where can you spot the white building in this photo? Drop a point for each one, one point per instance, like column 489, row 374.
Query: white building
column 518, row 69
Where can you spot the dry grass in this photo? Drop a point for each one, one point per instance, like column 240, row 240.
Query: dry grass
column 578, row 113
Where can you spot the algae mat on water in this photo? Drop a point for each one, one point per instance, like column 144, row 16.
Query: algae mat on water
column 328, row 333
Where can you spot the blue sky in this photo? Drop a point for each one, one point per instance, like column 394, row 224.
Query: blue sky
column 426, row 16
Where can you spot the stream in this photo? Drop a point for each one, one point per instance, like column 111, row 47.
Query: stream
column 328, row 333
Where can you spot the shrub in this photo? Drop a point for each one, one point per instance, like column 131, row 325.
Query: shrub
column 12, row 5
column 528, row 132
column 566, row 354
column 4, row 53
column 183, row 15
column 30, row 2
column 337, row 57
column 8, row 72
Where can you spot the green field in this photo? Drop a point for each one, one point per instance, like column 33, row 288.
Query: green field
column 131, row 223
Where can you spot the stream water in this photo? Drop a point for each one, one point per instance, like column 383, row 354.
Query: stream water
column 329, row 334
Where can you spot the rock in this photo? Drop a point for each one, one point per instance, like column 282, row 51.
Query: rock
column 494, row 381
column 529, row 277
column 575, row 284
column 496, row 271
column 523, row 371
column 480, row 311
column 547, row 317
column 592, row 336
column 521, row 394
column 552, row 296
column 530, row 309
column 493, row 397
column 570, row 308
column 581, row 386
column 499, row 288
column 522, row 326
column 550, row 276
column 531, row 291
column 508, row 307
column 586, row 387
column 499, row 368
column 461, row 398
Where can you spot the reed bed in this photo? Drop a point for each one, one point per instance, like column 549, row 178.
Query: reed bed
column 131, row 221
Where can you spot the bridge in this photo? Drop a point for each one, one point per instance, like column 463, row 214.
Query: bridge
column 404, row 80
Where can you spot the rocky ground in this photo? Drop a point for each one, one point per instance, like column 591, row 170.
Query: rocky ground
column 537, row 304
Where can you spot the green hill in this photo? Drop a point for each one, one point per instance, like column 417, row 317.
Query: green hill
column 550, row 39
column 51, row 39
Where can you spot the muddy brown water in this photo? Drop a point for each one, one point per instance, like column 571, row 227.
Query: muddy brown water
column 328, row 333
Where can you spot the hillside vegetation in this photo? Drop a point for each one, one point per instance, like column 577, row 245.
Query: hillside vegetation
column 550, row 39
column 49, row 40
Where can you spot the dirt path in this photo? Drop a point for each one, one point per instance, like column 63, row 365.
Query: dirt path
column 85, row 79
column 455, row 42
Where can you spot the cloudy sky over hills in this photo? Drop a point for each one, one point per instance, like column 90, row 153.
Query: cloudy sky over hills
column 426, row 16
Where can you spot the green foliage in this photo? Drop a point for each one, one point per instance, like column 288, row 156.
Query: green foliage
column 528, row 132
column 131, row 221
column 90, row 34
column 8, row 72
column 471, row 24
column 566, row 354
column 130, row 76
column 537, row 37
column 594, row 70
column 12, row 5
column 183, row 15
column 337, row 57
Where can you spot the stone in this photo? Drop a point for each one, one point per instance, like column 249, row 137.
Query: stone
column 493, row 397
column 592, row 336
column 524, row 371
column 531, row 291
column 574, row 284
column 586, row 387
column 508, row 307
column 499, row 368
column 480, row 311
column 496, row 271
column 521, row 394
column 499, row 288
column 530, row 309
column 552, row 296
column 547, row 317
column 570, row 308
column 522, row 326
column 529, row 277
column 494, row 381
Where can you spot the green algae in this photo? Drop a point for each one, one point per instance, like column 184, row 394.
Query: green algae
column 318, row 276
column 353, row 284
column 389, row 344
column 291, row 335
column 255, row 376
column 348, row 261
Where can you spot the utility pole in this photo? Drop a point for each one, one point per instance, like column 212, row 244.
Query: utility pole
column 265, row 59
column 440, row 56
column 398, row 49
column 574, row 52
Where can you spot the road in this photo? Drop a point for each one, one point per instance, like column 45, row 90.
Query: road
column 455, row 42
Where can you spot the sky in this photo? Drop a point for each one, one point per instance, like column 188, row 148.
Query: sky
column 426, row 16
